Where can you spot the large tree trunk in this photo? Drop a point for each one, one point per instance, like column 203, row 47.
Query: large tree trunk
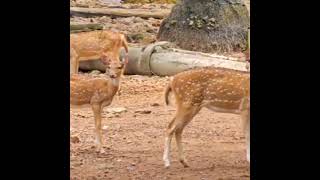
column 214, row 26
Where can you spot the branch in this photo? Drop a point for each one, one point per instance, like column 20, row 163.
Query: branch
column 158, row 14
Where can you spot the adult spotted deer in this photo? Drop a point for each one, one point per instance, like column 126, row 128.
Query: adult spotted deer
column 220, row 90
column 103, row 44
column 97, row 92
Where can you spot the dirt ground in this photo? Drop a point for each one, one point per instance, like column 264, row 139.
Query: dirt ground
column 134, row 139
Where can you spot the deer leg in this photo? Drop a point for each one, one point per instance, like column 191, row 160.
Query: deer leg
column 167, row 144
column 178, row 133
column 119, row 91
column 248, row 141
column 97, row 110
column 245, row 123
column 182, row 118
column 77, row 66
column 73, row 62
column 73, row 65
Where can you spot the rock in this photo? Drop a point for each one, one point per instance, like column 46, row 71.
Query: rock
column 136, row 37
column 116, row 110
column 95, row 72
column 127, row 21
column 147, row 25
column 173, row 22
column 212, row 20
column 205, row 18
column 143, row 111
column 108, row 166
column 75, row 139
column 163, row 7
column 138, row 20
column 77, row 164
column 130, row 168
column 105, row 19
column 156, row 24
column 155, row 104
column 82, row 116
column 110, row 115
column 150, row 30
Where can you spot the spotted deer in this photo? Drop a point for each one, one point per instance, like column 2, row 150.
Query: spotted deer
column 104, row 45
column 220, row 90
column 96, row 92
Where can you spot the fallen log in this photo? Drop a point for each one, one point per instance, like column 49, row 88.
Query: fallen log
column 118, row 12
column 74, row 28
column 162, row 59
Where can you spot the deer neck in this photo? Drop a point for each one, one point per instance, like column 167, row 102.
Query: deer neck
column 115, row 82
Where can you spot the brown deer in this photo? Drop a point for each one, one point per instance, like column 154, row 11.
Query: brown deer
column 103, row 44
column 97, row 92
column 217, row 89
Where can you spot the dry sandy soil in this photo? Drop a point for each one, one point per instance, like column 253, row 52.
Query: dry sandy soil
column 134, row 140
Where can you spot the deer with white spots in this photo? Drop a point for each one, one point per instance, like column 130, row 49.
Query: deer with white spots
column 104, row 45
column 220, row 90
column 96, row 92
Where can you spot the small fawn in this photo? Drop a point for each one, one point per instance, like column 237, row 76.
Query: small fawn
column 97, row 92
column 217, row 89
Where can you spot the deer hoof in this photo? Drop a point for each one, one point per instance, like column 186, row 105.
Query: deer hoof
column 184, row 163
column 166, row 164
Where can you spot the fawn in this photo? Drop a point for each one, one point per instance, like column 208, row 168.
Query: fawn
column 97, row 92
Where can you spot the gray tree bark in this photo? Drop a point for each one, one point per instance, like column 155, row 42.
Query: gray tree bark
column 207, row 25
